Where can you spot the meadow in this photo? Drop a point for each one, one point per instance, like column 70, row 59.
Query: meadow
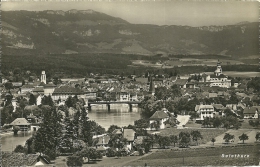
column 201, row 157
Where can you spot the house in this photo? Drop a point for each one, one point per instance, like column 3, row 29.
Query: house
column 181, row 83
column 23, row 124
column 17, row 84
column 102, row 141
column 65, row 91
column 159, row 117
column 251, row 112
column 205, row 111
column 21, row 159
column 213, row 95
column 219, row 108
column 124, row 96
column 38, row 90
column 49, row 89
column 130, row 136
column 141, row 80
column 26, row 88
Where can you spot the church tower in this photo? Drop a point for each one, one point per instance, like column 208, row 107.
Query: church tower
column 43, row 77
column 151, row 88
column 218, row 71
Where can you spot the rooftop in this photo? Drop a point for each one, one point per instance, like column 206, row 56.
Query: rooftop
column 20, row 121
column 159, row 115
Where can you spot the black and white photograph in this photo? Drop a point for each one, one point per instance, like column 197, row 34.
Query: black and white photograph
column 93, row 83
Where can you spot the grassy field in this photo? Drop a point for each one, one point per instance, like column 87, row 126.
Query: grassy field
column 207, row 134
column 201, row 157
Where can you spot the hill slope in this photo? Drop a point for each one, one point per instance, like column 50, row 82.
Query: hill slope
column 74, row 31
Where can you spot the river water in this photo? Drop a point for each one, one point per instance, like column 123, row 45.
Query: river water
column 119, row 114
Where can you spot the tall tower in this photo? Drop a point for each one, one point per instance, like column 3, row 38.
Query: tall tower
column 43, row 77
column 151, row 88
column 218, row 71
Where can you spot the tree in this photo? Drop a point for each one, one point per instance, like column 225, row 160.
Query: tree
column 162, row 93
column 47, row 100
column 110, row 152
column 19, row 149
column 48, row 137
column 85, row 127
column 184, row 139
column 73, row 161
column 164, row 141
column 255, row 123
column 257, row 136
column 174, row 139
column 228, row 137
column 196, row 135
column 66, row 144
column 16, row 129
column 8, row 85
column 243, row 137
column 213, row 140
column 142, row 123
column 90, row 153
column 112, row 128
column 95, row 128
column 32, row 100
column 216, row 122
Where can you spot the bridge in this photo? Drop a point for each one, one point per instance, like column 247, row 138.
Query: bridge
column 130, row 103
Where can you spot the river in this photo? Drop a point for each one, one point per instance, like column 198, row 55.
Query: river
column 119, row 114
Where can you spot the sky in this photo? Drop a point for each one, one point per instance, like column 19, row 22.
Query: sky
column 158, row 12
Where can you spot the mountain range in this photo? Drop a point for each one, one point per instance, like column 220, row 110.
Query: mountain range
column 88, row 31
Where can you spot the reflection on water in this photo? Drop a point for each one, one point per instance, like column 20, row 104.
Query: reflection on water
column 9, row 142
column 119, row 114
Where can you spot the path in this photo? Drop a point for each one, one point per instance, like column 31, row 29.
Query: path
column 183, row 119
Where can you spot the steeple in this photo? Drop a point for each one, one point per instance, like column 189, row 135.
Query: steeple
column 218, row 71
column 43, row 77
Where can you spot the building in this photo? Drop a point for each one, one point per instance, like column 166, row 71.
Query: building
column 26, row 88
column 251, row 112
column 205, row 111
column 103, row 141
column 21, row 159
column 43, row 77
column 22, row 123
column 130, row 136
column 217, row 79
column 181, row 83
column 159, row 117
column 124, row 96
column 64, row 92
column 49, row 89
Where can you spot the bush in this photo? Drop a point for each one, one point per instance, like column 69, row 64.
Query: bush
column 111, row 153
column 51, row 154
column 19, row 149
column 74, row 161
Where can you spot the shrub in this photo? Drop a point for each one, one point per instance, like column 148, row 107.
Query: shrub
column 19, row 149
column 74, row 161
column 111, row 153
